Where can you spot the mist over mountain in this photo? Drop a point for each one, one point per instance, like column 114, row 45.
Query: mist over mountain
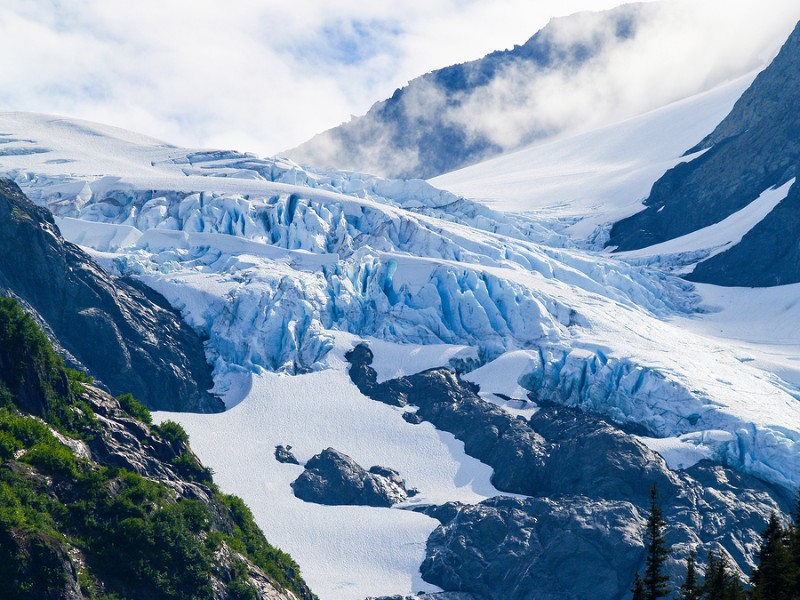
column 577, row 73
column 449, row 389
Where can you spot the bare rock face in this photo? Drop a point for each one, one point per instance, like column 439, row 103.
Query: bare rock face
column 756, row 147
column 42, row 558
column 578, row 534
column 334, row 478
column 536, row 548
column 124, row 333
column 416, row 133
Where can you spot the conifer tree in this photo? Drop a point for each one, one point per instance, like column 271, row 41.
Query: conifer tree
column 690, row 589
column 655, row 580
column 720, row 582
column 771, row 580
column 638, row 588
column 793, row 535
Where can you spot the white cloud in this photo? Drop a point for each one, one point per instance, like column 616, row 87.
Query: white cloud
column 248, row 74
column 682, row 48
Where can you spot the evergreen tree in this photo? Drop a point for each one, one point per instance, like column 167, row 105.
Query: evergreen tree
column 716, row 576
column 771, row 580
column 638, row 588
column 655, row 580
column 793, row 535
column 690, row 590
column 720, row 582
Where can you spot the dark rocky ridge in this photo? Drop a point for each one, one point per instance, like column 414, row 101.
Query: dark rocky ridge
column 767, row 255
column 588, row 483
column 124, row 333
column 756, row 147
column 335, row 479
column 407, row 123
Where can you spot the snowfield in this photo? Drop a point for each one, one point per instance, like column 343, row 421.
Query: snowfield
column 589, row 180
column 283, row 269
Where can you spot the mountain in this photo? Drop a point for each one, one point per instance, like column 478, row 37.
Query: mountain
column 430, row 126
column 116, row 328
column 581, row 184
column 753, row 150
column 98, row 503
column 497, row 347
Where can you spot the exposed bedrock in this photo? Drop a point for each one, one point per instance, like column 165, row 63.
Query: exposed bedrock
column 121, row 331
column 578, row 533
column 333, row 478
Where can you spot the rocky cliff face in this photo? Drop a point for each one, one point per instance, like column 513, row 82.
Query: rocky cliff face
column 125, row 334
column 96, row 502
column 756, row 147
column 587, row 486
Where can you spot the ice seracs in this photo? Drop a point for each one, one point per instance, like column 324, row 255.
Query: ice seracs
column 283, row 269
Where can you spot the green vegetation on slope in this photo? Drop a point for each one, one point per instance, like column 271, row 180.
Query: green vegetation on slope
column 66, row 520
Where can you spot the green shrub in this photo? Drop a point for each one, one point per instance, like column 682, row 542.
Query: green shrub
column 25, row 348
column 53, row 458
column 8, row 445
column 248, row 539
column 77, row 380
column 240, row 590
column 27, row 430
column 172, row 432
column 188, row 467
column 135, row 408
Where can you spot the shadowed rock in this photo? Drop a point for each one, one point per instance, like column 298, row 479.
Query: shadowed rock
column 284, row 455
column 334, row 478
column 755, row 148
column 589, row 483
column 124, row 333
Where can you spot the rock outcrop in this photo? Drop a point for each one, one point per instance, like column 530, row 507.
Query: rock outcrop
column 588, row 485
column 97, row 502
column 334, row 478
column 420, row 131
column 118, row 329
column 755, row 148
column 284, row 454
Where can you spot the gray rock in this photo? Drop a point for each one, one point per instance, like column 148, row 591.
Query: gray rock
column 537, row 548
column 412, row 135
column 334, row 478
column 124, row 333
column 590, row 484
column 413, row 418
column 284, row 454
column 120, row 441
column 757, row 146
column 489, row 433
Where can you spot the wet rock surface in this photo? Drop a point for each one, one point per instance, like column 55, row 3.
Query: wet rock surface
column 122, row 332
column 333, row 478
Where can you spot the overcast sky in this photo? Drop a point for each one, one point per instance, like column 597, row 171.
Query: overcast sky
column 263, row 75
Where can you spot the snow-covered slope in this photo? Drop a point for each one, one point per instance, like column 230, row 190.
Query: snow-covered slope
column 591, row 180
column 283, row 269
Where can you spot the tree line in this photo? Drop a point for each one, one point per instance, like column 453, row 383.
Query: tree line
column 776, row 576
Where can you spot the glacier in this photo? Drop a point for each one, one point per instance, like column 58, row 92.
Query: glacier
column 282, row 268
